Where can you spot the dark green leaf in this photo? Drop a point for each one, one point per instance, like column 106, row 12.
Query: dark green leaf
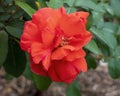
column 27, row 73
column 91, row 61
column 10, row 9
column 29, row 10
column 92, row 46
column 16, row 32
column 18, row 13
column 89, row 22
column 16, row 59
column 114, row 68
column 42, row 83
column 4, row 17
column 106, row 37
column 73, row 89
column 3, row 46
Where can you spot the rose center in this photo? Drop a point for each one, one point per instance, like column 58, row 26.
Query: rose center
column 65, row 41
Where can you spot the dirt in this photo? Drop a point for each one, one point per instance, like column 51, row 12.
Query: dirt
column 93, row 83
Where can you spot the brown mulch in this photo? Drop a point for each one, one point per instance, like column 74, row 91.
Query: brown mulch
column 93, row 83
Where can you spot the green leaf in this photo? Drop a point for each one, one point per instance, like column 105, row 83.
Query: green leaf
column 116, row 52
column 29, row 10
column 4, row 17
column 89, row 22
column 18, row 13
column 98, row 20
column 109, row 9
column 69, row 2
column 27, row 73
column 114, row 68
column 3, row 46
column 16, row 32
column 42, row 83
column 73, row 89
column 10, row 9
column 16, row 59
column 110, row 27
column 71, row 10
column 91, row 61
column 115, row 4
column 92, row 46
column 88, row 4
column 106, row 37
column 55, row 3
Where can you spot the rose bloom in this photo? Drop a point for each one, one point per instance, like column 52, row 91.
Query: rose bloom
column 54, row 41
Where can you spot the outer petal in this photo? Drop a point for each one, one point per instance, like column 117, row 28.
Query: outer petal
column 38, row 53
column 44, row 15
column 38, row 69
column 62, row 71
column 80, row 64
column 72, row 25
column 75, row 55
column 80, row 41
column 30, row 34
column 82, row 15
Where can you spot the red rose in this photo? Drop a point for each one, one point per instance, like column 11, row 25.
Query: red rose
column 54, row 40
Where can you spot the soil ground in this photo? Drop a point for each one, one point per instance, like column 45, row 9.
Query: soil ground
column 93, row 83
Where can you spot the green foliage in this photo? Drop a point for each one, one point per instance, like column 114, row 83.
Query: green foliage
column 13, row 64
column 91, row 62
column 3, row 47
column 55, row 3
column 29, row 10
column 73, row 89
column 92, row 46
column 42, row 83
column 114, row 68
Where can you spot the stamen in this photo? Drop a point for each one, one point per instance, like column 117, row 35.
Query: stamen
column 65, row 41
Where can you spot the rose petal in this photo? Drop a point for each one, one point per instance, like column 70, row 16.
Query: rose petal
column 75, row 55
column 80, row 64
column 29, row 35
column 61, row 52
column 63, row 71
column 47, row 61
column 38, row 69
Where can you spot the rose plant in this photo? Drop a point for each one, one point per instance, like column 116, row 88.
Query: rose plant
column 51, row 40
